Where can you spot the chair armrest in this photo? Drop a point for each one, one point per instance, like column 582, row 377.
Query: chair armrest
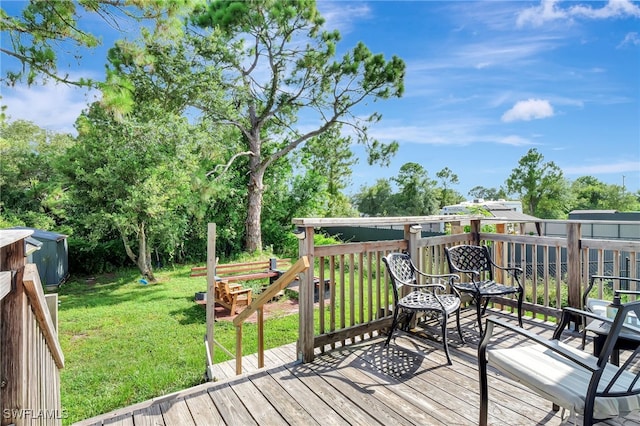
column 442, row 276
column 244, row 290
column 549, row 344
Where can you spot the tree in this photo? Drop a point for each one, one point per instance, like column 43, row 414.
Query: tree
column 31, row 189
column 35, row 37
column 279, row 67
column 448, row 196
column 591, row 194
column 133, row 178
column 541, row 186
column 374, row 200
column 488, row 193
column 416, row 196
column 329, row 158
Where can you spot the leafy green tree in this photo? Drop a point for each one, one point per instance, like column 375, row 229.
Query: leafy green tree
column 329, row 158
column 416, row 195
column 488, row 193
column 133, row 178
column 541, row 186
column 374, row 200
column 279, row 67
column 447, row 195
column 31, row 189
column 34, row 37
column 592, row 194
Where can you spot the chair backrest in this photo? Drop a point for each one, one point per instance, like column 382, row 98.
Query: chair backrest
column 401, row 271
column 592, row 300
column 625, row 382
column 469, row 258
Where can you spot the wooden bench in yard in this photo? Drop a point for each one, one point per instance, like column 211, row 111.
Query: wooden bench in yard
column 231, row 294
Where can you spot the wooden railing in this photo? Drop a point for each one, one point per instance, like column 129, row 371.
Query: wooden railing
column 356, row 303
column 257, row 306
column 30, row 355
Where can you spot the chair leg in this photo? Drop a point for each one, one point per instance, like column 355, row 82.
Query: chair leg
column 445, row 341
column 394, row 324
column 520, row 297
column 458, row 322
column 479, row 313
column 486, row 303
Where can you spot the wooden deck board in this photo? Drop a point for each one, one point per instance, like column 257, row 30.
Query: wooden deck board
column 406, row 383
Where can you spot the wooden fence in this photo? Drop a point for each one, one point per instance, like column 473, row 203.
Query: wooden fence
column 356, row 302
column 30, row 355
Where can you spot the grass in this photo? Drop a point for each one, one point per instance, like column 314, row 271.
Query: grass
column 125, row 342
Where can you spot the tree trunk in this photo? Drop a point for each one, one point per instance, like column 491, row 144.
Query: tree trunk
column 254, row 211
column 144, row 255
column 142, row 259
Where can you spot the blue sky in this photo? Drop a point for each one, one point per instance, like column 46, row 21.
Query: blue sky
column 486, row 81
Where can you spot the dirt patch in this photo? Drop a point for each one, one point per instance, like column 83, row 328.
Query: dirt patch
column 273, row 309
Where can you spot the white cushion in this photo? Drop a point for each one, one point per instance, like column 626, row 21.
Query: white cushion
column 559, row 380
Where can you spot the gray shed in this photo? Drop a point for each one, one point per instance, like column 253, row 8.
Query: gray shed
column 52, row 258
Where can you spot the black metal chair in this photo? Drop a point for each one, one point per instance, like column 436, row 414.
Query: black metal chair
column 476, row 263
column 427, row 298
column 570, row 378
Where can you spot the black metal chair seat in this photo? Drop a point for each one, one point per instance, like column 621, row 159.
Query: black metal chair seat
column 475, row 263
column 427, row 298
column 421, row 301
column 487, row 288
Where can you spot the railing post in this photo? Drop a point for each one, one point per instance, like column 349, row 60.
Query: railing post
column 573, row 265
column 475, row 232
column 305, row 347
column 412, row 233
column 211, row 287
column 13, row 353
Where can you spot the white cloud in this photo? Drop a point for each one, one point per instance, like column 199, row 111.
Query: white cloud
column 515, row 140
column 341, row 15
column 548, row 11
column 530, row 109
column 613, row 9
column 603, row 168
column 538, row 15
column 53, row 107
column 630, row 39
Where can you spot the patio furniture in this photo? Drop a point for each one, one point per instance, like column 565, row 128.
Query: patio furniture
column 568, row 377
column 427, row 298
column 606, row 308
column 475, row 262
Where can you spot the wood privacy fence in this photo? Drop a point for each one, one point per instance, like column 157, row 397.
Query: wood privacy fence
column 30, row 355
column 356, row 300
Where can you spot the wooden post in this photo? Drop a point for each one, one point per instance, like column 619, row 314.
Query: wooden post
column 260, row 337
column 475, row 232
column 13, row 351
column 305, row 347
column 498, row 253
column 412, row 233
column 239, row 349
column 211, row 290
column 573, row 265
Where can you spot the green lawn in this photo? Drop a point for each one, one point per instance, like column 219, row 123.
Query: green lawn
column 126, row 342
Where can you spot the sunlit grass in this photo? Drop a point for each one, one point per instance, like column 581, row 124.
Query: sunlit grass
column 126, row 342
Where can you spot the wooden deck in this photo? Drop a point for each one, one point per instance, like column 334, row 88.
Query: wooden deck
column 407, row 383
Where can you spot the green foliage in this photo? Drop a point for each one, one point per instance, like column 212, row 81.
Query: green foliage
column 488, row 193
column 31, row 189
column 541, row 186
column 416, row 195
column 592, row 194
column 51, row 33
column 260, row 36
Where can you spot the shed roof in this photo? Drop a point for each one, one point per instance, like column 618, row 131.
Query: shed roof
column 41, row 234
